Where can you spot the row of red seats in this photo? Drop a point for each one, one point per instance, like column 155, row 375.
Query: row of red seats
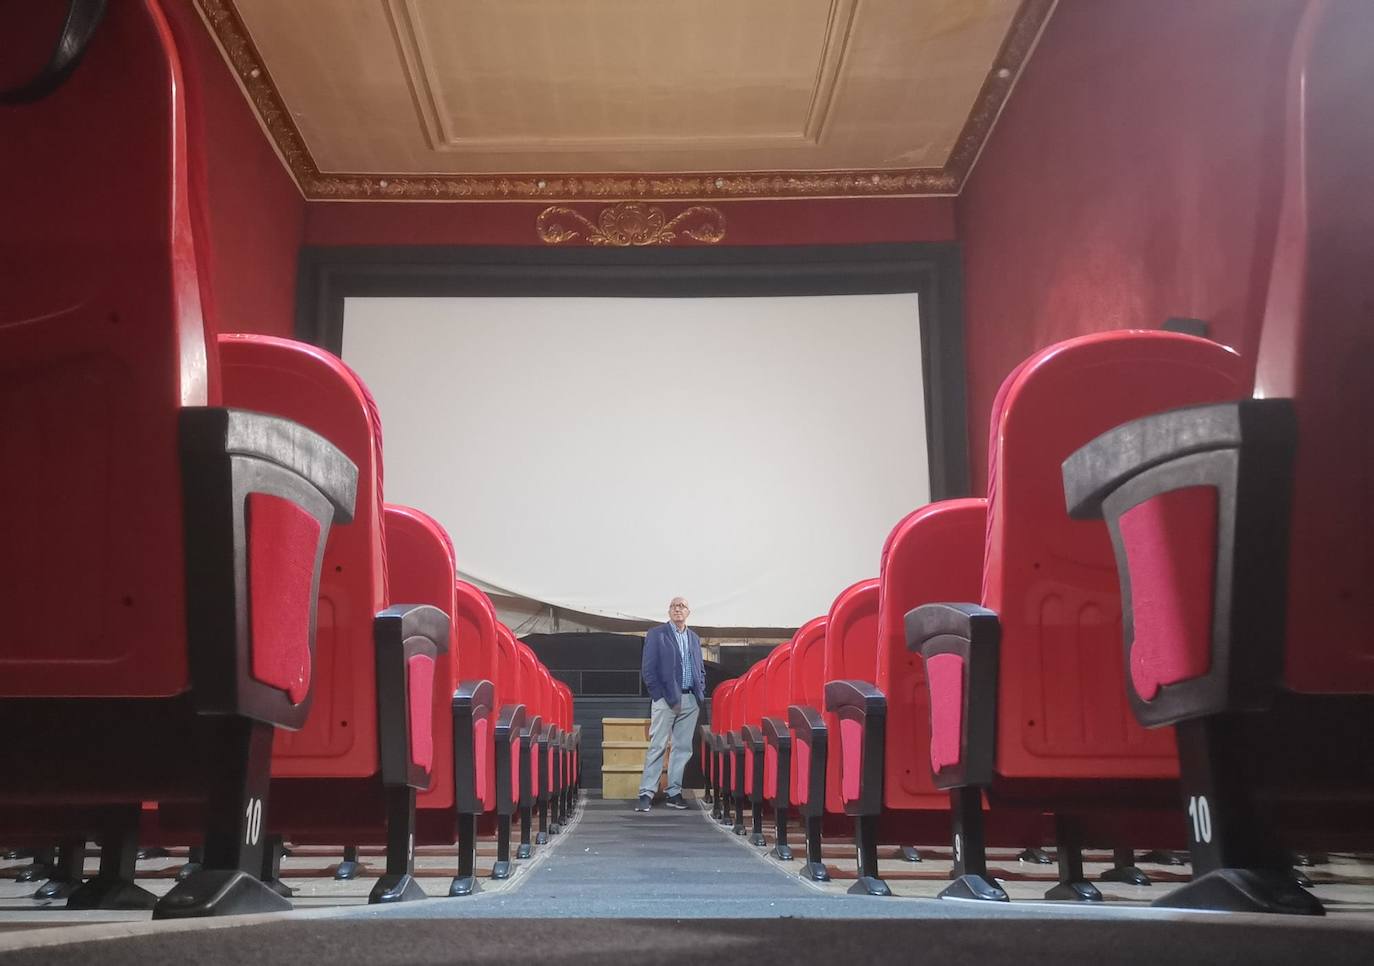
column 212, row 611
column 1016, row 663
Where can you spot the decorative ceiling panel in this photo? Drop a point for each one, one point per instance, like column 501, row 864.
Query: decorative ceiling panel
column 626, row 99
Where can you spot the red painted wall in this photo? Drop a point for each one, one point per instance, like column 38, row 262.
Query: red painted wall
column 1133, row 176
column 803, row 222
column 244, row 202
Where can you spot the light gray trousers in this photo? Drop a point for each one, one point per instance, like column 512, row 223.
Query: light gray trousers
column 681, row 726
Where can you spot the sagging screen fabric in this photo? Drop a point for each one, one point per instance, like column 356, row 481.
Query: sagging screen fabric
column 606, row 454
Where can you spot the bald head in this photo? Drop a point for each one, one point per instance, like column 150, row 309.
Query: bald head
column 678, row 611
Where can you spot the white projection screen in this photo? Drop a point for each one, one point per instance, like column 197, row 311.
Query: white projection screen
column 605, row 454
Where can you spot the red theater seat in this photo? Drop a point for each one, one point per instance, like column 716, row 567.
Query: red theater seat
column 810, row 739
column 352, row 772
column 564, row 783
column 160, row 550
column 934, row 553
column 777, row 739
column 858, row 723
column 565, row 802
column 550, row 738
column 475, row 702
column 1242, row 529
column 707, row 762
column 421, row 568
column 750, row 696
column 539, row 741
column 533, row 749
column 735, row 751
column 722, row 764
column 512, row 694
column 1042, row 721
column 555, row 761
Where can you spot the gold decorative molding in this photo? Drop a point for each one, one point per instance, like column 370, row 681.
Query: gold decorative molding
column 244, row 59
column 613, row 187
column 630, row 223
column 1021, row 39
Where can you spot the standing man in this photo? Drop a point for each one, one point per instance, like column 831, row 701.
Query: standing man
column 673, row 673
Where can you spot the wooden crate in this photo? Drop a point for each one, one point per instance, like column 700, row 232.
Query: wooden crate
column 623, row 753
column 624, row 729
column 623, row 745
column 620, row 781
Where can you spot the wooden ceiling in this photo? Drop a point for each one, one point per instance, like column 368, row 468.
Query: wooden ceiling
column 626, row 99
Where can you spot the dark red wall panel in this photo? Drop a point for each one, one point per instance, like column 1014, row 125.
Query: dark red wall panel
column 808, row 222
column 1133, row 176
column 249, row 214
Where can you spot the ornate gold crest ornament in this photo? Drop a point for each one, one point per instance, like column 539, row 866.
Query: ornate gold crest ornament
column 630, row 223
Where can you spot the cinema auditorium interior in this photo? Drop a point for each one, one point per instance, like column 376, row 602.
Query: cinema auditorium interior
column 397, row 395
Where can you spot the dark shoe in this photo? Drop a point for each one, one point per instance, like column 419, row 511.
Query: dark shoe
column 643, row 804
column 677, row 801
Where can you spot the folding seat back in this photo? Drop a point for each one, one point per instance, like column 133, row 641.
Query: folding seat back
column 720, row 706
column 720, row 710
column 572, row 735
column 509, row 690
column 751, row 714
column 1062, row 710
column 101, row 349
column 935, row 553
column 533, row 691
column 565, row 722
column 741, row 705
column 777, row 681
column 569, row 707
column 476, row 622
column 851, row 654
column 807, row 667
column 745, row 697
column 549, row 693
column 421, row 568
column 528, row 688
column 730, row 704
column 561, row 702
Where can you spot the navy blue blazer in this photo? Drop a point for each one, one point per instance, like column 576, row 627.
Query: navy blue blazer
column 661, row 664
